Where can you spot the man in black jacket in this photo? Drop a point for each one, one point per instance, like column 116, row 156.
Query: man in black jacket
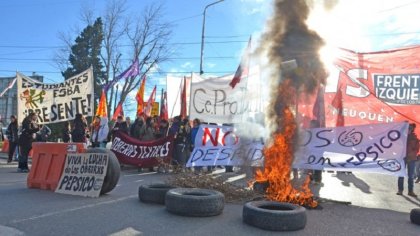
column 12, row 136
column 29, row 128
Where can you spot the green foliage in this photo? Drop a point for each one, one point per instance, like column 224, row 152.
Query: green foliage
column 86, row 52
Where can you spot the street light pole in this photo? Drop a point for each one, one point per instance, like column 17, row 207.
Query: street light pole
column 202, row 35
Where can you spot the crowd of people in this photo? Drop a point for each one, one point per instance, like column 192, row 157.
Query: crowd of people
column 101, row 132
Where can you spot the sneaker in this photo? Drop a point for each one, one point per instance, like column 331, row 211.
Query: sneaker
column 412, row 194
column 399, row 193
column 19, row 170
column 418, row 180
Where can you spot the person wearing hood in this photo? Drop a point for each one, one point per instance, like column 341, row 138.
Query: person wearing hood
column 100, row 132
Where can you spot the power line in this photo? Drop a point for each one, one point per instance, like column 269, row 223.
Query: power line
column 157, row 72
column 125, row 59
column 176, row 43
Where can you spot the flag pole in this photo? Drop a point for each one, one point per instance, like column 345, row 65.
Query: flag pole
column 176, row 99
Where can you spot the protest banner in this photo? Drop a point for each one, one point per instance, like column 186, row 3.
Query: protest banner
column 215, row 101
column 131, row 151
column 155, row 109
column 56, row 102
column 83, row 174
column 220, row 145
column 372, row 87
column 376, row 148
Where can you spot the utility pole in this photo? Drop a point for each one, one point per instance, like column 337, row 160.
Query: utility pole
column 202, row 34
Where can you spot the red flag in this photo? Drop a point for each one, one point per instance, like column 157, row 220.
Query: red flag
column 318, row 110
column 164, row 107
column 183, row 112
column 337, row 103
column 243, row 69
column 118, row 112
column 149, row 105
column 102, row 107
column 140, row 95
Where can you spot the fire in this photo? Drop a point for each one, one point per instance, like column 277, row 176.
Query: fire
column 278, row 161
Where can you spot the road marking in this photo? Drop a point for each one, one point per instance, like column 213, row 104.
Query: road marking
column 127, row 232
column 150, row 173
column 4, row 230
column 74, row 209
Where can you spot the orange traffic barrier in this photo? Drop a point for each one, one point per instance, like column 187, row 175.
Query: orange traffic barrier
column 5, row 147
column 48, row 163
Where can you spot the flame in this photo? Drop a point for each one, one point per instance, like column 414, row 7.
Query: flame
column 278, row 161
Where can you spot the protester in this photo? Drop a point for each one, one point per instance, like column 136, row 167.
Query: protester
column 29, row 128
column 43, row 134
column 181, row 141
column 128, row 121
column 66, row 132
column 410, row 161
column 316, row 174
column 79, row 133
column 163, row 129
column 135, row 129
column 120, row 125
column 12, row 136
column 148, row 131
column 100, row 132
column 418, row 169
column 194, row 131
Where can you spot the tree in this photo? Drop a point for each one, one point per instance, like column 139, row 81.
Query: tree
column 144, row 36
column 148, row 39
column 86, row 52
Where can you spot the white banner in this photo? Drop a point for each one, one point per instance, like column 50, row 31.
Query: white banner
column 377, row 148
column 214, row 101
column 83, row 174
column 220, row 145
column 56, row 102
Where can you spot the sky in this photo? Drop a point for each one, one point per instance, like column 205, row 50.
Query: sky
column 30, row 29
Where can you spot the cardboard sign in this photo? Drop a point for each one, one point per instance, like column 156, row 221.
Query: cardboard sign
column 83, row 174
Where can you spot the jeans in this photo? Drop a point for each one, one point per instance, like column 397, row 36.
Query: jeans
column 23, row 156
column 417, row 169
column 411, row 165
column 12, row 149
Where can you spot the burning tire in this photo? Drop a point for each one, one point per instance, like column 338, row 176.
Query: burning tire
column 415, row 216
column 154, row 193
column 113, row 171
column 194, row 202
column 275, row 216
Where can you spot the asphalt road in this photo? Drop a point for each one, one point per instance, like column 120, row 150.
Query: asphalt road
column 375, row 209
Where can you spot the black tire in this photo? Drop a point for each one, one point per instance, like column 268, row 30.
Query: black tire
column 113, row 171
column 274, row 216
column 194, row 202
column 415, row 216
column 154, row 193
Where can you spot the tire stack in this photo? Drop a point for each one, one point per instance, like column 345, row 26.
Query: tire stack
column 194, row 202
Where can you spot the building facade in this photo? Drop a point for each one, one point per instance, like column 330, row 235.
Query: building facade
column 8, row 102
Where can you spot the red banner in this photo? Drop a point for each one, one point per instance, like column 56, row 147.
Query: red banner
column 376, row 87
column 142, row 154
